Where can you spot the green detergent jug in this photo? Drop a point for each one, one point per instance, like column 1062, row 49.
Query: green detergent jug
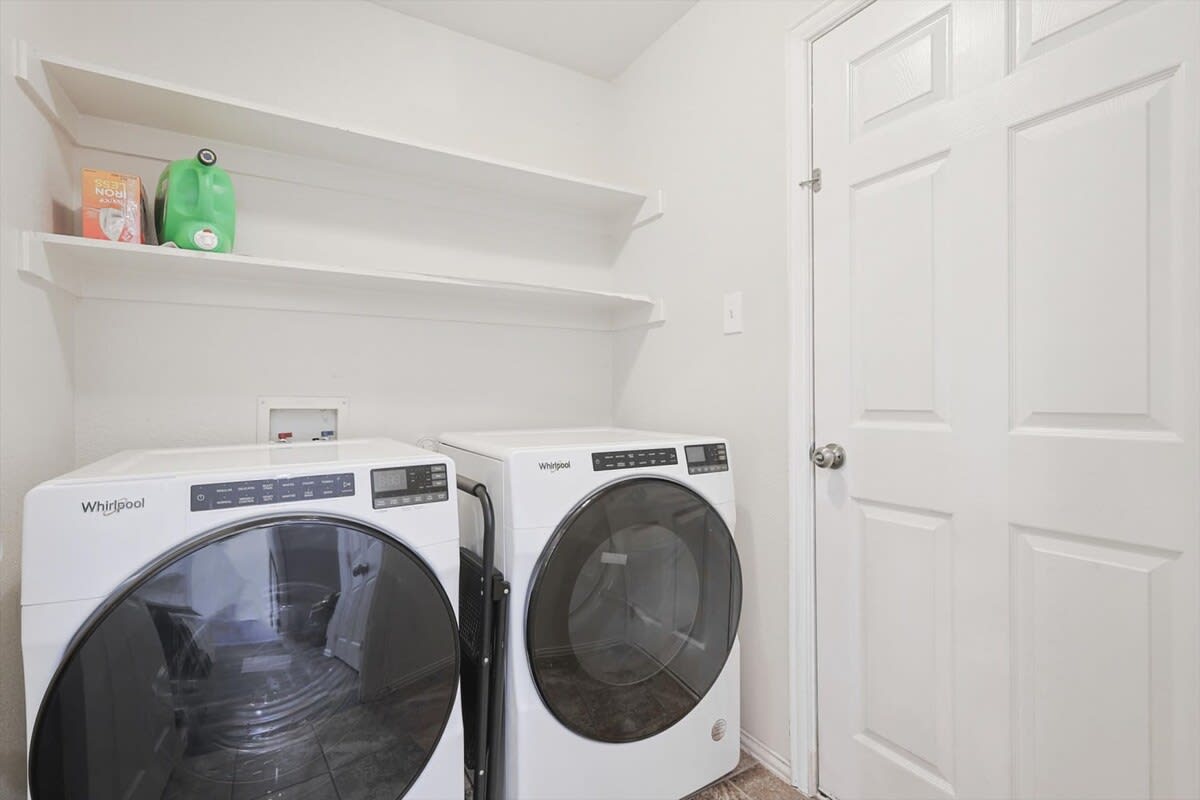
column 194, row 206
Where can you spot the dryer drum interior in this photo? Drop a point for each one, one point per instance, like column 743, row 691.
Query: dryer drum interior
column 634, row 609
column 307, row 652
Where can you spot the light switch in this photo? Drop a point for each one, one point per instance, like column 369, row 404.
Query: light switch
column 733, row 312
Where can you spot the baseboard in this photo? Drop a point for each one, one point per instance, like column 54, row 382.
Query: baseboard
column 774, row 762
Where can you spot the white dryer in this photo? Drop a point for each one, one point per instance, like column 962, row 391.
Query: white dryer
column 626, row 592
column 241, row 622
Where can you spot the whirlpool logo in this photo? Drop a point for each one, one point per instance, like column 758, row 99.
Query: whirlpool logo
column 110, row 507
column 553, row 466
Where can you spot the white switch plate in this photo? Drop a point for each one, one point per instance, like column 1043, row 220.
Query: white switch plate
column 733, row 312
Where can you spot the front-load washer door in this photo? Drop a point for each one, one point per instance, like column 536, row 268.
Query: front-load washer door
column 299, row 656
column 634, row 609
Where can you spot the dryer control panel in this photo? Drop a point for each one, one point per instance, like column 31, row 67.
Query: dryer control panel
column 706, row 458
column 213, row 496
column 406, row 486
column 632, row 459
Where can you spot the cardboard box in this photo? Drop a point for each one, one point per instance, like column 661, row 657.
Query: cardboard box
column 114, row 207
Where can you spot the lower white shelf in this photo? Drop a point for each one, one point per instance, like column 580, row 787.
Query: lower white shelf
column 91, row 268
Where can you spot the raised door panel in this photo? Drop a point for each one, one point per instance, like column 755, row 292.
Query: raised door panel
column 898, row 296
column 1091, row 657
column 905, row 73
column 905, row 619
column 1091, row 336
column 1038, row 26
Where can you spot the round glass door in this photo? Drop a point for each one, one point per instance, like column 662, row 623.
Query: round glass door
column 634, row 610
column 296, row 657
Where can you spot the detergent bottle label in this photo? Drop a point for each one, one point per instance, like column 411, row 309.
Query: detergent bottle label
column 205, row 239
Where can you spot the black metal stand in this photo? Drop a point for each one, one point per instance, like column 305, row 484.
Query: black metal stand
column 483, row 630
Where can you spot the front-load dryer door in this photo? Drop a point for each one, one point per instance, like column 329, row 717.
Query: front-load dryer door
column 299, row 656
column 634, row 609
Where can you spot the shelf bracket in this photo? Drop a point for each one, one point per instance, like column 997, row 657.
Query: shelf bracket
column 35, row 264
column 651, row 209
column 31, row 75
column 653, row 317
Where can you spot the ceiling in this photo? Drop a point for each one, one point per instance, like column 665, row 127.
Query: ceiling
column 596, row 37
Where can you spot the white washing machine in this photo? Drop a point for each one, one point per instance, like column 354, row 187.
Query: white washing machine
column 626, row 591
column 241, row 622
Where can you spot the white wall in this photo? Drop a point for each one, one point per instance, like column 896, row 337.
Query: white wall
column 704, row 117
column 84, row 379
column 37, row 333
column 198, row 372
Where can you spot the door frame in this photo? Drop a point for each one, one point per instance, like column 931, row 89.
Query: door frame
column 802, row 662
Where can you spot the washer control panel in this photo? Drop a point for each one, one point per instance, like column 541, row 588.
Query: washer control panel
column 213, row 496
column 406, row 486
column 706, row 458
column 633, row 459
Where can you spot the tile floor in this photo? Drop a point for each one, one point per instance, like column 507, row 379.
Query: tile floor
column 636, row 697
column 301, row 733
column 750, row 780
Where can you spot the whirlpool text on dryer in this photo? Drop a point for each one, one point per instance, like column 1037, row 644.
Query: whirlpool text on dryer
column 110, row 507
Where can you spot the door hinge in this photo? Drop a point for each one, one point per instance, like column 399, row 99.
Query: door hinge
column 814, row 182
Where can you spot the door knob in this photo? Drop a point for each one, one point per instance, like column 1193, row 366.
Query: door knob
column 830, row 456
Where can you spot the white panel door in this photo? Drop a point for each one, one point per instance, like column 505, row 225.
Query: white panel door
column 359, row 560
column 1006, row 330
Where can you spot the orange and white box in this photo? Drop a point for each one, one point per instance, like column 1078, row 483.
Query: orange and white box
column 114, row 207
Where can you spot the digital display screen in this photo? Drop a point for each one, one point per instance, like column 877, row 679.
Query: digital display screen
column 389, row 480
column 694, row 453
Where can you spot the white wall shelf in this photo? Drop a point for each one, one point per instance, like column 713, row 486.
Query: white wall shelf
column 92, row 268
column 119, row 112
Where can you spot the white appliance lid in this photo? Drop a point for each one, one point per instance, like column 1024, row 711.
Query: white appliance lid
column 500, row 444
column 177, row 461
